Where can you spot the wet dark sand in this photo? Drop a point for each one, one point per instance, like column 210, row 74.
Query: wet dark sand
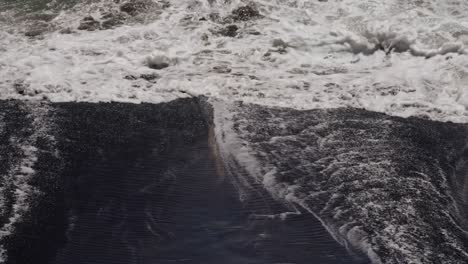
column 142, row 184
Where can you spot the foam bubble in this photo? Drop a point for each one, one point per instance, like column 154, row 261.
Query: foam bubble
column 399, row 58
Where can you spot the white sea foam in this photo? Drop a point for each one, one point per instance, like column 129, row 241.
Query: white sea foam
column 334, row 164
column 237, row 155
column 18, row 178
column 398, row 57
column 232, row 150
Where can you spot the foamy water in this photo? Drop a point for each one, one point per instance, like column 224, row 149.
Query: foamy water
column 397, row 57
column 16, row 191
column 380, row 185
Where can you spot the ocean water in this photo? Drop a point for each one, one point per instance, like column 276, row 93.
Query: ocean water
column 141, row 183
column 398, row 57
column 391, row 188
column 306, row 98
column 198, row 181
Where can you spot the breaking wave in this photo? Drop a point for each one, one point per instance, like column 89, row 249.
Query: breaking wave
column 400, row 58
column 375, row 181
column 381, row 185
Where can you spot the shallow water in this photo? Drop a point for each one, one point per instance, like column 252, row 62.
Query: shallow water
column 392, row 188
column 396, row 57
column 142, row 184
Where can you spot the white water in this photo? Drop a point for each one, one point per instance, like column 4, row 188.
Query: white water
column 330, row 58
column 20, row 175
column 329, row 62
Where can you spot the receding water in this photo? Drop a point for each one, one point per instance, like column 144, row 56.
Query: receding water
column 142, row 184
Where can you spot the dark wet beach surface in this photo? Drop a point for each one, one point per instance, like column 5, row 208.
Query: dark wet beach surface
column 142, row 184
